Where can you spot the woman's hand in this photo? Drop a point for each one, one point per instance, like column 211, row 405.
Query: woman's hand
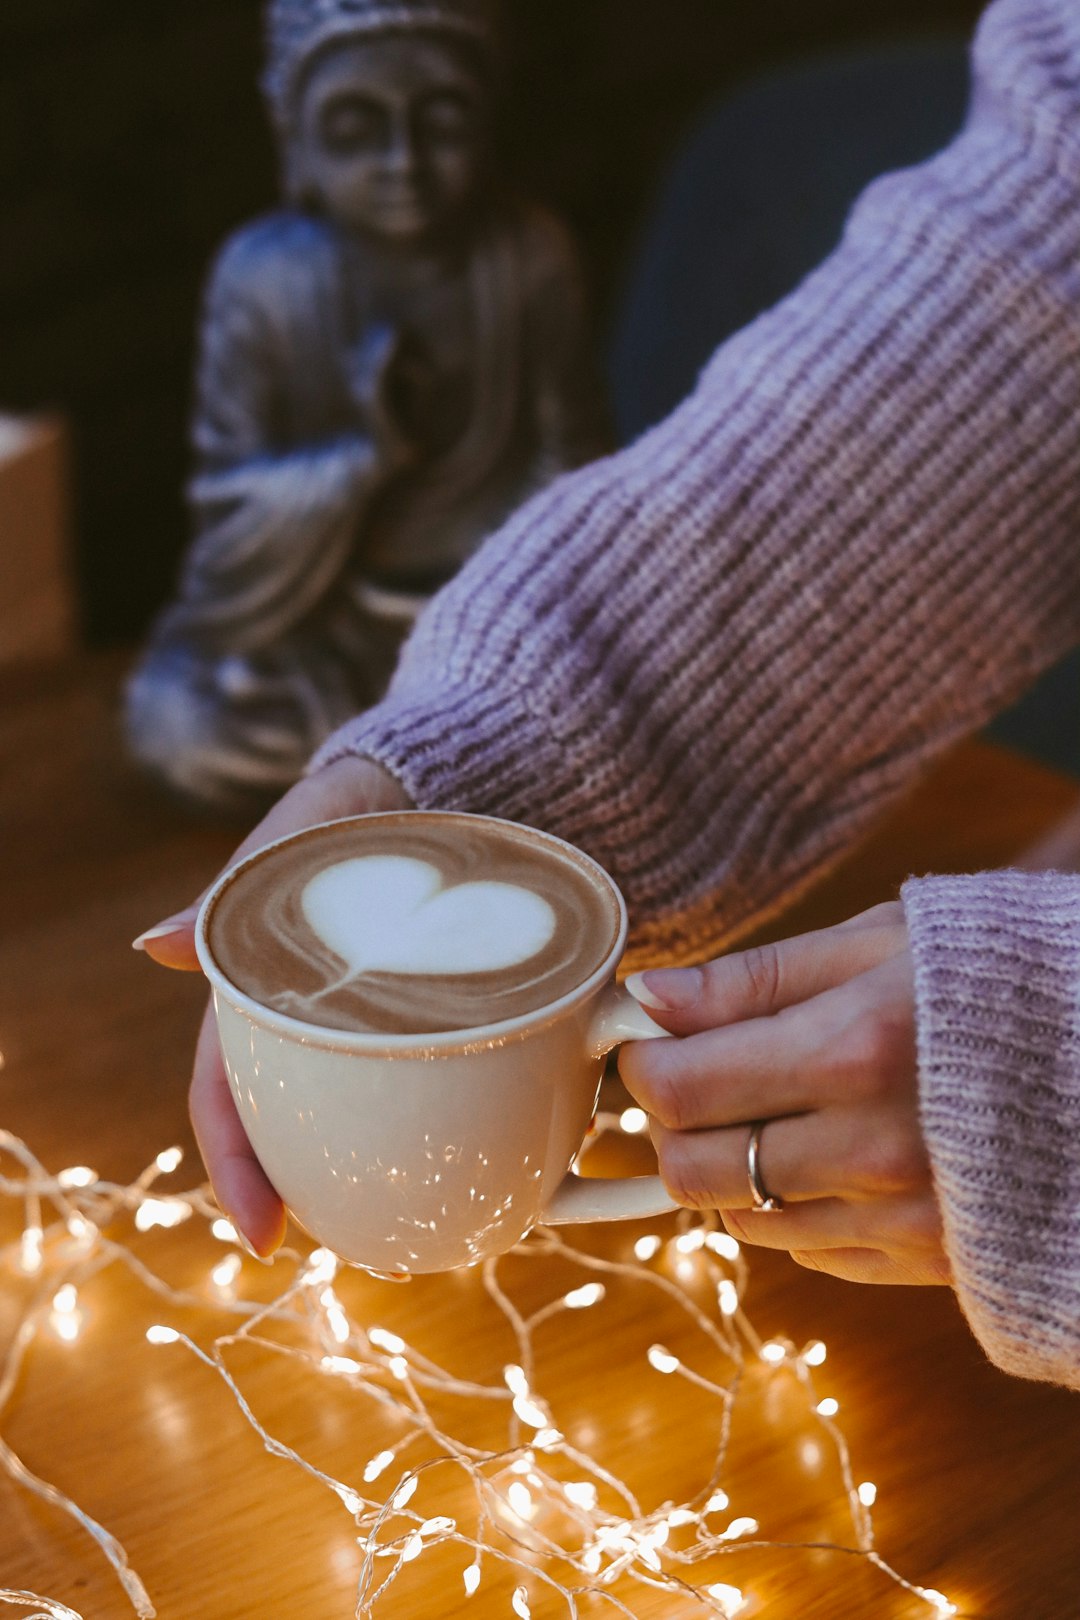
column 346, row 788
column 815, row 1037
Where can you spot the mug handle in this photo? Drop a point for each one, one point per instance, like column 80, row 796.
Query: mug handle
column 577, row 1199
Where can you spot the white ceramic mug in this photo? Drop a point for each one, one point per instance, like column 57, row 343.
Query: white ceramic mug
column 407, row 1153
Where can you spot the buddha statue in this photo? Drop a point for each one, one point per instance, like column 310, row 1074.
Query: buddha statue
column 389, row 365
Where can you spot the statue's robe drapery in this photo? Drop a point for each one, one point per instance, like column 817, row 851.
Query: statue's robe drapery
column 267, row 647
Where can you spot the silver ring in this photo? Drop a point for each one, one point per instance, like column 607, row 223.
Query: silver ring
column 764, row 1200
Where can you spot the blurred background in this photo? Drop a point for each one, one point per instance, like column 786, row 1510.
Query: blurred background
column 704, row 151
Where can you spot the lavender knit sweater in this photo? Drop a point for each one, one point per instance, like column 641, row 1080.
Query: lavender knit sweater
column 713, row 658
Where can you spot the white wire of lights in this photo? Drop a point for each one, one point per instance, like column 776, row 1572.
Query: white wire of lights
column 539, row 1504
column 45, row 1608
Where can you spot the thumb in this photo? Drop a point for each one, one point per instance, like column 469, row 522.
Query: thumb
column 348, row 787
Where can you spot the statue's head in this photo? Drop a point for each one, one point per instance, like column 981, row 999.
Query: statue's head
column 382, row 107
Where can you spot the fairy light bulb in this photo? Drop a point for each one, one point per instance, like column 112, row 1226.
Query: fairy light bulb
column 738, row 1528
column 441, row 1525
column 867, row 1493
column 732, row 1602
column 648, row 1247
column 169, row 1159
column 223, row 1230
column 727, row 1297
column 580, row 1299
column 65, row 1316
column 31, row 1251
column 515, row 1380
column 225, row 1273
column 529, row 1412
column 165, row 1212
column 386, row 1341
column 938, row 1600
column 662, row 1359
column 717, row 1502
column 404, row 1493
column 82, row 1231
column 160, row 1334
column 827, row 1408
column 337, row 1321
column 471, row 1578
column 723, row 1244
column 520, row 1604
column 815, row 1353
column 582, row 1493
column 633, row 1121
column 773, row 1353
column 79, row 1175
column 520, row 1498
column 67, row 1326
column 378, row 1465
column 342, row 1366
column 690, row 1242
column 413, row 1547
column 322, row 1267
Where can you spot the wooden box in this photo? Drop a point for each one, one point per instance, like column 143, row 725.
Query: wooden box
column 37, row 605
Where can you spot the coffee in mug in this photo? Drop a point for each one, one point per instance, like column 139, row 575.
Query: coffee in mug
column 414, row 1009
column 413, row 924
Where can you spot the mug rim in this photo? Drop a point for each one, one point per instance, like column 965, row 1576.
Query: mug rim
column 374, row 1042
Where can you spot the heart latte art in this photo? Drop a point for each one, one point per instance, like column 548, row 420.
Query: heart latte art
column 413, row 924
column 391, row 914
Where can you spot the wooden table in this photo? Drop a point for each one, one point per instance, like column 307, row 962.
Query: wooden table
column 977, row 1474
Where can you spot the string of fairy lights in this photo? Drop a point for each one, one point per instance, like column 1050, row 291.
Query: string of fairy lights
column 545, row 1514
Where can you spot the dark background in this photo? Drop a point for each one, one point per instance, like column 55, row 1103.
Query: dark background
column 133, row 139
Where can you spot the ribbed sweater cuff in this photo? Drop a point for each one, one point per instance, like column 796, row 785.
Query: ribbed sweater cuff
column 501, row 753
column 458, row 749
column 997, row 977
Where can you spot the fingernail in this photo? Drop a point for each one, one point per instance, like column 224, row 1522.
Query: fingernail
column 249, row 1247
column 162, row 931
column 666, row 989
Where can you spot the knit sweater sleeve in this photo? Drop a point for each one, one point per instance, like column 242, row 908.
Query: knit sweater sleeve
column 711, row 658
column 997, row 973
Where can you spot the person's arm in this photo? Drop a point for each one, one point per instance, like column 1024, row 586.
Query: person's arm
column 713, row 658
column 997, row 983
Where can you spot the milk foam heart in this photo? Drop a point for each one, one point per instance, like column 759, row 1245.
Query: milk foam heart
column 391, row 914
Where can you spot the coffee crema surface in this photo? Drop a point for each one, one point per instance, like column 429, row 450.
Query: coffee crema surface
column 413, row 923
